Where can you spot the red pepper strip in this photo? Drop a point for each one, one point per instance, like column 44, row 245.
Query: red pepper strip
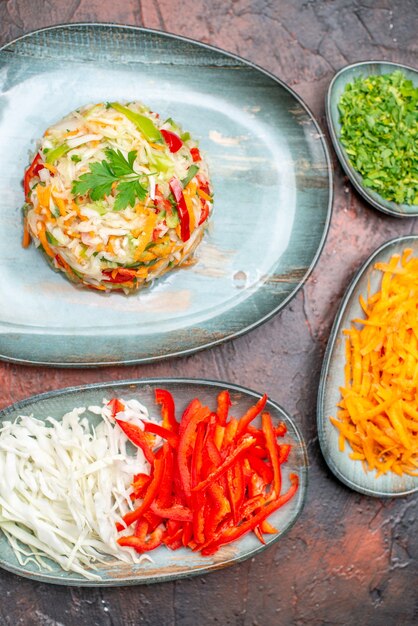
column 280, row 430
column 152, row 491
column 218, row 436
column 156, row 429
column 155, row 539
column 257, row 533
column 185, row 444
column 267, row 528
column 236, row 488
column 284, row 451
column 261, row 468
column 271, row 444
column 260, row 451
column 118, row 275
column 198, row 500
column 176, row 512
column 164, row 497
column 224, row 402
column 230, row 432
column 189, row 411
column 174, row 541
column 140, row 484
column 250, row 415
column 172, row 140
column 137, row 437
column 177, row 190
column 152, row 519
column 204, row 212
column 187, row 533
column 33, row 170
column 195, row 154
column 232, row 533
column 141, row 529
column 256, row 486
column 168, row 410
column 116, row 406
column 227, row 463
column 259, row 435
column 218, row 511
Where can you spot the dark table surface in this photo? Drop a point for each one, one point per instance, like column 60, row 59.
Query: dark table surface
column 350, row 559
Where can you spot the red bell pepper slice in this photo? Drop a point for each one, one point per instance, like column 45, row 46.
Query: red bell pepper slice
column 168, row 409
column 150, row 494
column 204, row 213
column 137, row 437
column 271, row 445
column 140, row 545
column 224, row 402
column 267, row 528
column 198, row 500
column 172, row 140
column 250, row 415
column 118, row 275
column 195, row 154
column 227, row 463
column 177, row 512
column 140, row 484
column 185, row 444
column 116, row 406
column 284, row 451
column 236, row 487
column 156, row 429
column 141, row 529
column 227, row 535
column 183, row 212
column 261, row 468
column 33, row 170
column 258, row 534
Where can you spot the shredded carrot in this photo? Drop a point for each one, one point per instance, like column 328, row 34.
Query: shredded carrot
column 378, row 415
column 44, row 240
column 50, row 167
column 204, row 195
column 26, row 235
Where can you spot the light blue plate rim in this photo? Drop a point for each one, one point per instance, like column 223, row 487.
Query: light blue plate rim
column 377, row 201
column 321, row 417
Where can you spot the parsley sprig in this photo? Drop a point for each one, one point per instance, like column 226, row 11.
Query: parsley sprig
column 379, row 130
column 118, row 170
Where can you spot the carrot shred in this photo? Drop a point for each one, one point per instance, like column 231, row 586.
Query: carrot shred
column 377, row 413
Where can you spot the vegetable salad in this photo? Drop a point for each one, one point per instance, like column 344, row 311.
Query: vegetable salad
column 115, row 197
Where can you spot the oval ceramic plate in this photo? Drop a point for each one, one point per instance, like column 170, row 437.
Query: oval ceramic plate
column 332, row 378
column 270, row 172
column 335, row 90
column 167, row 565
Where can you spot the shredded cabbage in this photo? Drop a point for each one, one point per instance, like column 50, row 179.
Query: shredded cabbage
column 65, row 485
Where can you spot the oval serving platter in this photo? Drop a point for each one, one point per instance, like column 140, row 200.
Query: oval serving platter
column 332, row 378
column 335, row 90
column 270, row 171
column 167, row 564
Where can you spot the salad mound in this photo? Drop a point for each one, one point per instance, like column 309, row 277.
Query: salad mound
column 115, row 197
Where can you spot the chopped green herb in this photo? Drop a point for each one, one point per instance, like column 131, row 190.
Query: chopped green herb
column 379, row 130
column 116, row 170
column 75, row 158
